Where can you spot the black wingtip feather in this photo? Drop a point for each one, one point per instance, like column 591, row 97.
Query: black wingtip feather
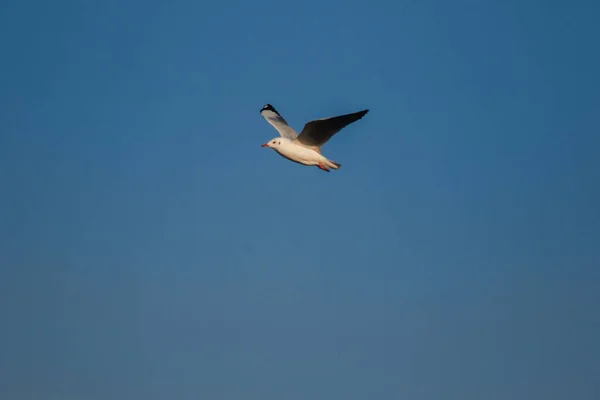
column 269, row 107
column 359, row 114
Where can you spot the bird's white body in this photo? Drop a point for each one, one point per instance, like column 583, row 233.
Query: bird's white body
column 303, row 155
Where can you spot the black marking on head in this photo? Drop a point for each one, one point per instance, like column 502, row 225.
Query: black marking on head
column 268, row 107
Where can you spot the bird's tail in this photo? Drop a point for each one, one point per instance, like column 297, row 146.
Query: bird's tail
column 334, row 165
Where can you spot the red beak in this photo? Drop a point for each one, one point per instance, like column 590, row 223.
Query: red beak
column 264, row 145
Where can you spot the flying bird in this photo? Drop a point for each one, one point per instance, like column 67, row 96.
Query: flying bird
column 305, row 148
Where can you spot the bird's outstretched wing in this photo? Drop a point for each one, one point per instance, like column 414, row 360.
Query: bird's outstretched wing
column 269, row 113
column 316, row 133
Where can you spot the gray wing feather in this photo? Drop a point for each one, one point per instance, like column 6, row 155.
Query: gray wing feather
column 316, row 133
column 279, row 124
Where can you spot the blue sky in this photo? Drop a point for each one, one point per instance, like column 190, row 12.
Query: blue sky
column 150, row 249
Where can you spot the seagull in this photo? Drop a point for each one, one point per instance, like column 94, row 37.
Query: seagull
column 305, row 148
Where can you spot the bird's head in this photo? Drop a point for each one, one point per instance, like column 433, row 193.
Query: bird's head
column 273, row 143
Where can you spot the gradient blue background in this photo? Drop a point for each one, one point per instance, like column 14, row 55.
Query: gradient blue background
column 150, row 249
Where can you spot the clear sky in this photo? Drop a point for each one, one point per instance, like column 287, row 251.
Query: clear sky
column 151, row 249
